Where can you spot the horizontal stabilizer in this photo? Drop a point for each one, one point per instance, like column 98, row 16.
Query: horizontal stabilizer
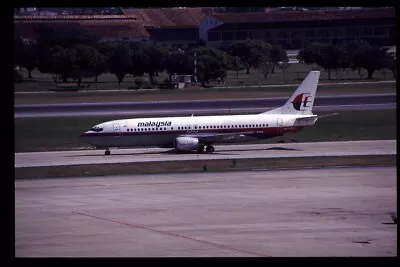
column 306, row 118
column 328, row 115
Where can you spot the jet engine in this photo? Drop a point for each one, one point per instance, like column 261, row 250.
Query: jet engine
column 186, row 143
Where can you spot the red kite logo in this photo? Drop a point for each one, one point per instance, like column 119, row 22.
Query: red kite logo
column 301, row 99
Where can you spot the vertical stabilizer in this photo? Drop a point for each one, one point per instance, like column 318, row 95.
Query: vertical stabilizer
column 302, row 100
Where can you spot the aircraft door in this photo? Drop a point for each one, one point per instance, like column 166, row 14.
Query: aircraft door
column 279, row 124
column 116, row 129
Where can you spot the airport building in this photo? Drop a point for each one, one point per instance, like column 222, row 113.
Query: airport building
column 173, row 27
column 294, row 29
column 108, row 27
column 184, row 27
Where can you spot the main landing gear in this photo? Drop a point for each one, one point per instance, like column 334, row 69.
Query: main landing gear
column 107, row 152
column 209, row 149
column 200, row 149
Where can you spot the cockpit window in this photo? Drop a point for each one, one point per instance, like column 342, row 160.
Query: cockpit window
column 96, row 129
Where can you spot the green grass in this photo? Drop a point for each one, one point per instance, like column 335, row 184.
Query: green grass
column 294, row 74
column 46, row 134
column 195, row 93
column 200, row 166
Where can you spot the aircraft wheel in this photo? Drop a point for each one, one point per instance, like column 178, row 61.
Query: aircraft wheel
column 200, row 149
column 107, row 152
column 210, row 149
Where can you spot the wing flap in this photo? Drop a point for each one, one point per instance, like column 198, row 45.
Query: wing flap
column 216, row 137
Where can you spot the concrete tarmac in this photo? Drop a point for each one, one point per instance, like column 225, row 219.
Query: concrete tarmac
column 56, row 158
column 305, row 213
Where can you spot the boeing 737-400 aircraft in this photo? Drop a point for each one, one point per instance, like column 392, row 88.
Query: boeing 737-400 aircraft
column 199, row 132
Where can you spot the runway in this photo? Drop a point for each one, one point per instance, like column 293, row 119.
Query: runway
column 57, row 158
column 202, row 107
column 299, row 213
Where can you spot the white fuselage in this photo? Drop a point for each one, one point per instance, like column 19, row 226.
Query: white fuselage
column 162, row 131
column 190, row 133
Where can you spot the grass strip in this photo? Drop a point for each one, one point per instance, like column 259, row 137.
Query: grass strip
column 223, row 165
column 196, row 93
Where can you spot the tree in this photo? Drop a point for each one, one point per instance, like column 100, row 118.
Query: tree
column 277, row 54
column 211, row 63
column 139, row 58
column 88, row 62
column 236, row 64
column 352, row 49
column 326, row 56
column 157, row 56
column 25, row 54
column 66, row 38
column 249, row 51
column 179, row 63
column 120, row 63
column 59, row 61
column 371, row 59
column 283, row 66
column 392, row 65
column 148, row 58
column 264, row 65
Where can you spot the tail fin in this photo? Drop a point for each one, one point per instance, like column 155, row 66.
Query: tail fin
column 302, row 100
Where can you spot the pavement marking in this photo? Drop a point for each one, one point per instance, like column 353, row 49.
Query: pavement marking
column 171, row 234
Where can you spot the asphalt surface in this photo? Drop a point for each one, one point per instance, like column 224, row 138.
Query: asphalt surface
column 57, row 158
column 201, row 107
column 300, row 213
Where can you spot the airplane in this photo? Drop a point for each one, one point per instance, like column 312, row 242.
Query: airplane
column 196, row 133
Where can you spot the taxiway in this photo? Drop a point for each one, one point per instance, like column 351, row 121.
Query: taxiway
column 90, row 156
column 297, row 213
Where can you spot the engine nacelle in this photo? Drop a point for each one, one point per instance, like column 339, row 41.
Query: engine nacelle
column 186, row 143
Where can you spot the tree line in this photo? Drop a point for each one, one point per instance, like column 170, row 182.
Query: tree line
column 354, row 55
column 77, row 53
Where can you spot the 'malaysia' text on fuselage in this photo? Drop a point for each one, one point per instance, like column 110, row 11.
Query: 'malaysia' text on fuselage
column 152, row 123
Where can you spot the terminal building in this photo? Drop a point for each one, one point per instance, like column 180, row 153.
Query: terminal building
column 184, row 27
column 108, row 27
column 294, row 29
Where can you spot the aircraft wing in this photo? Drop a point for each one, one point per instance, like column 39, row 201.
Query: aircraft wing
column 217, row 137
